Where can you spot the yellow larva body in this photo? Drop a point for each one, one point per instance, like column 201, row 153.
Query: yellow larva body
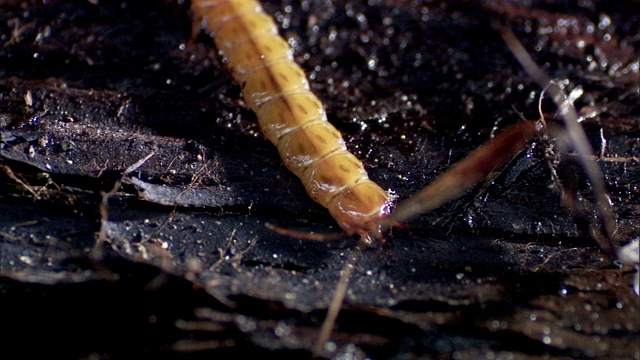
column 290, row 115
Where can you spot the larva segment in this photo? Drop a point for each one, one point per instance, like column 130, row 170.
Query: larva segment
column 255, row 52
column 265, row 82
column 290, row 116
column 287, row 112
column 230, row 33
column 307, row 144
column 216, row 12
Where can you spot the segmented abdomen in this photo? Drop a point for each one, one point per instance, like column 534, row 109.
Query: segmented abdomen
column 290, row 115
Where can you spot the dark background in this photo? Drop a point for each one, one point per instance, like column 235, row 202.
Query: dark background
column 177, row 261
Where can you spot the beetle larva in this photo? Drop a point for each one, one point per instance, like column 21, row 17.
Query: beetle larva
column 290, row 115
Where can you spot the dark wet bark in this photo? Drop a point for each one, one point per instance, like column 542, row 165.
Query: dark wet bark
column 86, row 91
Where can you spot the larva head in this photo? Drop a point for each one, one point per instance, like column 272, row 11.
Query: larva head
column 359, row 208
